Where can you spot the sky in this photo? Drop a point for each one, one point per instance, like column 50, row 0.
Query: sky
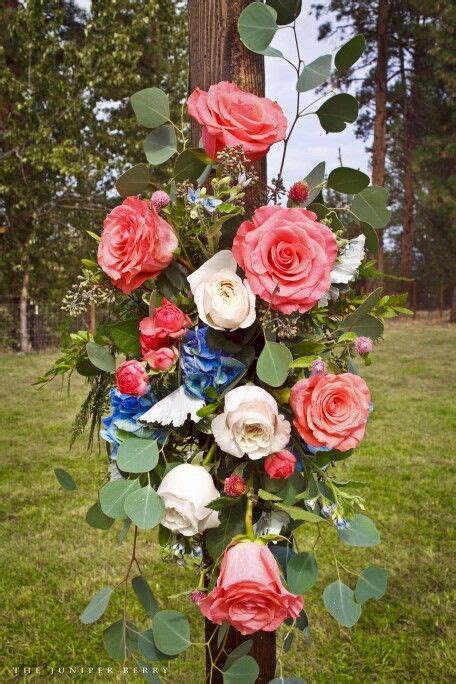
column 309, row 144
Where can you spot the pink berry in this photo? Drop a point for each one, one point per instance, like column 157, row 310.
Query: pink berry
column 299, row 192
column 234, row 485
column 318, row 367
column 363, row 345
column 197, row 596
column 160, row 199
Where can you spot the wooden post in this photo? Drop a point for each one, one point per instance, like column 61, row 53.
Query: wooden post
column 216, row 54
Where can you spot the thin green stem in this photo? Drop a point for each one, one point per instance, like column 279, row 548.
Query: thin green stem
column 211, row 451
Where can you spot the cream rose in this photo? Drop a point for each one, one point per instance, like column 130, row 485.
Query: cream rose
column 185, row 491
column 223, row 299
column 250, row 424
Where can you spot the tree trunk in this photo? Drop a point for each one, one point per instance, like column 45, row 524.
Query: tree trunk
column 453, row 305
column 381, row 80
column 216, row 54
column 23, row 318
column 92, row 319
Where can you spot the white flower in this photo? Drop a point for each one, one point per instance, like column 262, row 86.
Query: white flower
column 173, row 409
column 223, row 299
column 349, row 261
column 250, row 424
column 185, row 491
column 271, row 522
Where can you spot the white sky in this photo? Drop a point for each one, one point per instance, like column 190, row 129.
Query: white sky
column 309, row 144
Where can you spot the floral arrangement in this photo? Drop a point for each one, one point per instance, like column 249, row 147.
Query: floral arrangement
column 226, row 386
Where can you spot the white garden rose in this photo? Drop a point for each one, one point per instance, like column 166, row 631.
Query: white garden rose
column 185, row 491
column 223, row 299
column 250, row 424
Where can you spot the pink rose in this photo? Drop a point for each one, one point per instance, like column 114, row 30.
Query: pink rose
column 162, row 359
column 280, row 465
column 249, row 593
column 287, row 257
column 168, row 323
column 331, row 410
column 131, row 378
column 230, row 117
column 136, row 244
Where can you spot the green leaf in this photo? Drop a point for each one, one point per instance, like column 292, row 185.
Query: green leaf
column 172, row 280
column 145, row 595
column 86, row 368
column 124, row 531
column 273, row 364
column 244, row 670
column 370, row 206
column 160, row 145
column 137, row 455
column 268, row 496
column 101, row 357
column 144, row 507
column 307, row 348
column 125, row 336
column 314, row 179
column 171, row 632
column 368, row 303
column 188, row 167
column 303, row 362
column 347, row 180
column 287, row 10
column 302, row 571
column 257, row 26
column 65, row 480
column 113, row 494
column 134, row 181
column 336, row 112
column 361, row 532
column 367, row 326
column 151, row 107
column 288, row 680
column 97, row 519
column 221, row 632
column 120, row 640
column 222, row 502
column 372, row 242
column 241, row 650
column 231, row 524
column 350, row 52
column 339, row 602
column 97, row 606
column 314, row 74
column 371, row 584
column 148, row 648
column 297, row 513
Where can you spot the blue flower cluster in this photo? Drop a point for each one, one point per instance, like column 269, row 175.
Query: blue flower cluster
column 203, row 367
column 123, row 421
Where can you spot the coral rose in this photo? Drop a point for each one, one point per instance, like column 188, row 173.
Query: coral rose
column 162, row 359
column 249, row 593
column 167, row 324
column 280, row 465
column 136, row 244
column 287, row 257
column 331, row 410
column 131, row 378
column 230, row 117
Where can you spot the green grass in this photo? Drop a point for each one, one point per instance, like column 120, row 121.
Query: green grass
column 52, row 561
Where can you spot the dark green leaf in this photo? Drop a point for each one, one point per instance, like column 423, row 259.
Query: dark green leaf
column 336, row 112
column 65, row 480
column 370, row 206
column 145, row 595
column 314, row 74
column 221, row 631
column 124, row 531
column 257, row 26
column 350, row 52
column 188, row 167
column 97, row 606
column 137, row 455
column 361, row 532
column 307, row 348
column 160, row 145
column 113, row 494
column 314, row 180
column 288, row 680
column 287, row 10
column 222, row 502
column 287, row 642
column 134, row 181
column 171, row 632
column 101, row 357
column 371, row 584
column 297, row 513
column 120, row 640
column 217, row 340
column 151, row 107
column 148, row 649
column 241, row 650
column 302, row 571
column 172, row 280
column 231, row 524
column 244, row 670
column 372, row 242
column 274, row 363
column 339, row 602
column 97, row 519
column 347, row 180
column 86, row 368
column 144, row 507
column 125, row 336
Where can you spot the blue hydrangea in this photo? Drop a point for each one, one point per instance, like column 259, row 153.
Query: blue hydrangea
column 203, row 367
column 123, row 421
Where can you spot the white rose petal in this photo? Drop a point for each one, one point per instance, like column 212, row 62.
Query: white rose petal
column 349, row 261
column 174, row 409
column 223, row 299
column 250, row 424
column 185, row 491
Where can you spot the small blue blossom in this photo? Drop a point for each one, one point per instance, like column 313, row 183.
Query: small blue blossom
column 341, row 523
column 209, row 203
column 203, row 367
column 126, row 410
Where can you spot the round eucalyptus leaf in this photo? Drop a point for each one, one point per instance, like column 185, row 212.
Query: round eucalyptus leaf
column 339, row 602
column 160, row 145
column 65, row 480
column 314, row 74
column 360, row 532
column 147, row 647
column 113, row 494
column 288, row 680
column 347, row 180
column 274, row 363
column 120, row 640
column 151, row 107
column 188, row 167
column 372, row 241
column 145, row 595
column 287, row 10
column 134, row 181
column 370, row 206
column 371, row 584
column 244, row 670
column 350, row 52
column 144, row 507
column 302, row 571
column 241, row 650
column 97, row 606
column 335, row 113
column 137, row 455
column 97, row 519
column 101, row 357
column 86, row 368
column 171, row 631
column 257, row 26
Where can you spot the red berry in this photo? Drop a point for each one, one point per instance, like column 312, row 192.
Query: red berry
column 234, row 485
column 298, row 192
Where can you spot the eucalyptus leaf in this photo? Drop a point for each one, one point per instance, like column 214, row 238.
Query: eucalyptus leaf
column 120, row 640
column 350, row 52
column 241, row 650
column 125, row 335
column 336, row 112
column 287, row 10
column 160, row 145
column 273, row 364
column 314, row 74
column 370, row 206
column 188, row 167
column 151, row 107
column 371, row 584
column 302, row 571
column 144, row 507
column 96, row 607
column 339, row 602
column 171, row 631
column 288, row 680
column 97, row 519
column 134, row 181
column 314, row 180
column 65, row 480
column 244, row 670
column 257, row 26
column 137, row 455
column 347, row 180
column 145, row 595
column 148, row 648
column 101, row 357
column 360, row 532
column 86, row 368
column 113, row 494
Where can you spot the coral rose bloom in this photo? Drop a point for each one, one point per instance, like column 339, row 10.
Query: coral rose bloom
column 230, row 117
column 287, row 257
column 249, row 593
column 331, row 410
column 136, row 244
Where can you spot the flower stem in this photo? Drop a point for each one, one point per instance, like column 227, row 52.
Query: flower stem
column 212, row 449
column 249, row 513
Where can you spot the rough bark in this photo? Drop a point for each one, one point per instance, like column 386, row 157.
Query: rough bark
column 23, row 319
column 453, row 305
column 216, row 54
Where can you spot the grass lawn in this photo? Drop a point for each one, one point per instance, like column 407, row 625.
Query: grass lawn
column 52, row 562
